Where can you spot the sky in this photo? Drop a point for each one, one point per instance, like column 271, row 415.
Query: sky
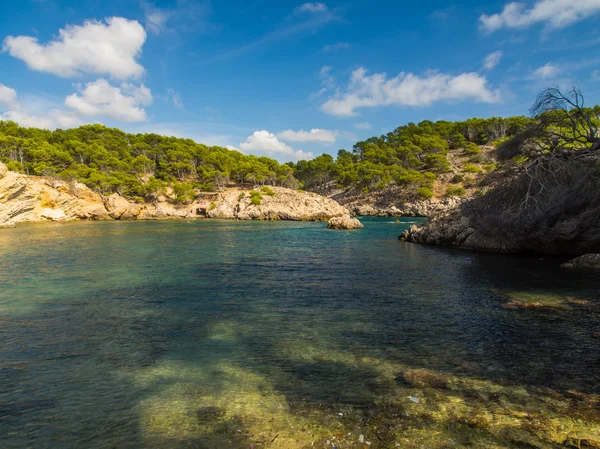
column 287, row 79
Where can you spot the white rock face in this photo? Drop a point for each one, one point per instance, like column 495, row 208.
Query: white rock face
column 53, row 214
column 285, row 204
column 34, row 198
column 31, row 198
column 345, row 222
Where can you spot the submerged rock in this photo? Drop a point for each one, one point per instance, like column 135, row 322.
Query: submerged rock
column 344, row 222
column 588, row 261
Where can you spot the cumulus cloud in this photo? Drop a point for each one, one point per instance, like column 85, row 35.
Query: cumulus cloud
column 492, row 60
column 28, row 120
column 8, row 95
column 55, row 119
column 22, row 114
column 107, row 48
column 266, row 142
column 546, row 71
column 232, row 148
column 95, row 99
column 553, row 13
column 312, row 7
column 363, row 125
column 99, row 98
column 337, row 46
column 408, row 89
column 314, row 135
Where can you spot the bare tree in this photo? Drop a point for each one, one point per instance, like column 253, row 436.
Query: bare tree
column 565, row 117
column 564, row 128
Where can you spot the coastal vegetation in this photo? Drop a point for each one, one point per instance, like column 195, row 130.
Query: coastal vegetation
column 507, row 163
column 141, row 166
column 544, row 193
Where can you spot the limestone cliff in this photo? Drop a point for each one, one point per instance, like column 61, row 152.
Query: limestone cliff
column 36, row 199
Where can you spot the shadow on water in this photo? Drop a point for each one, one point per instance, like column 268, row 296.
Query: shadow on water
column 218, row 335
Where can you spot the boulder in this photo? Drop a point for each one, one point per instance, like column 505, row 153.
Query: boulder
column 587, row 261
column 7, row 224
column 344, row 222
column 53, row 214
column 121, row 209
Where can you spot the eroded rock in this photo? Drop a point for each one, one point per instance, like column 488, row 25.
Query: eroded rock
column 587, row 261
column 344, row 222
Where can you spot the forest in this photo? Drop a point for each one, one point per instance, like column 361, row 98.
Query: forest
column 140, row 166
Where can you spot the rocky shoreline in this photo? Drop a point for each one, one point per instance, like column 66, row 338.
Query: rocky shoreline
column 30, row 199
column 454, row 229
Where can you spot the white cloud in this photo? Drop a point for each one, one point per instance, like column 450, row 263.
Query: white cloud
column 408, row 89
column 232, row 148
column 492, row 60
column 175, row 98
column 337, row 46
column 95, row 47
column 553, row 13
column 312, row 7
column 266, row 142
column 156, row 18
column 314, row 135
column 327, row 82
column 23, row 115
column 99, row 98
column 8, row 95
column 363, row 125
column 546, row 71
column 27, row 120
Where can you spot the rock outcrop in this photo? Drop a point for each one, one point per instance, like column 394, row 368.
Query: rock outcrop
column 587, row 261
column 34, row 199
column 454, row 229
column 283, row 204
column 30, row 199
column 344, row 222
column 423, row 208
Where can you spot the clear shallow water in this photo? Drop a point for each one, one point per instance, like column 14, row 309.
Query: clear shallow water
column 216, row 334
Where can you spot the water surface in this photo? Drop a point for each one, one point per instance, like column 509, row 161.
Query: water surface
column 219, row 334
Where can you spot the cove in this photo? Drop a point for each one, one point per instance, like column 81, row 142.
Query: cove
column 218, row 334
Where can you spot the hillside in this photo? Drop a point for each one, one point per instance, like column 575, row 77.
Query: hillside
column 544, row 196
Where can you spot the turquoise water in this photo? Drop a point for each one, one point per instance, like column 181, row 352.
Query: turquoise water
column 218, row 334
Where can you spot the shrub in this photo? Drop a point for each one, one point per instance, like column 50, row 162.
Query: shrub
column 424, row 193
column 241, row 196
column 184, row 192
column 470, row 168
column 455, row 191
column 472, row 149
column 490, row 167
column 255, row 197
column 213, row 206
column 267, row 190
column 477, row 159
column 457, row 178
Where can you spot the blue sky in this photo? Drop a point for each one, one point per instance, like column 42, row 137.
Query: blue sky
column 287, row 79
